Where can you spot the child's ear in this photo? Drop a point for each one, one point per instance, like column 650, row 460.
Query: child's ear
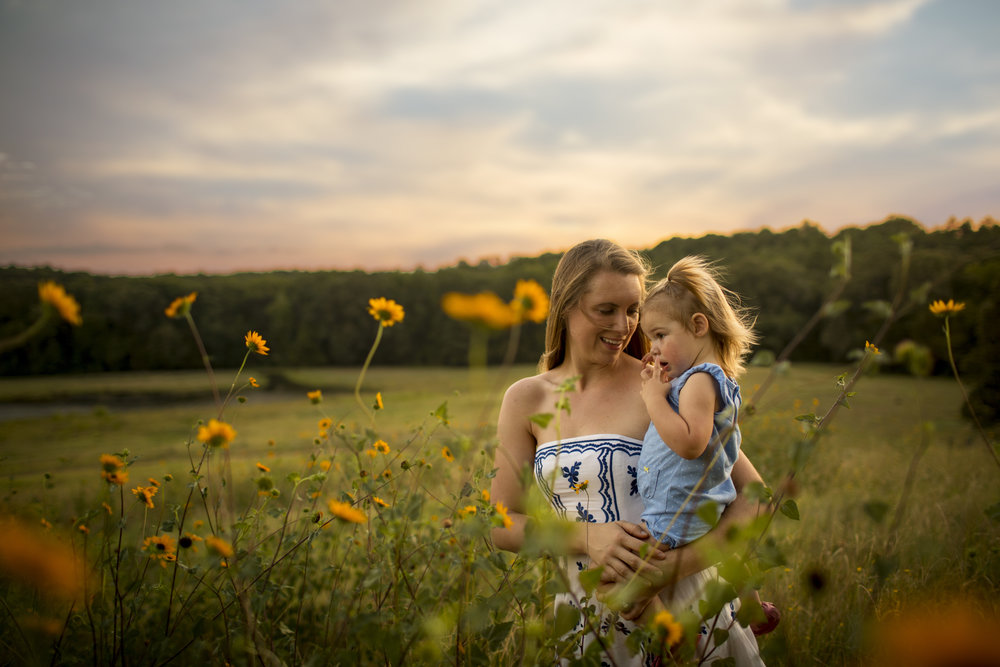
column 699, row 324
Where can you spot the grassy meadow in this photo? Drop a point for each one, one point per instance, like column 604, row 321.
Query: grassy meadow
column 892, row 505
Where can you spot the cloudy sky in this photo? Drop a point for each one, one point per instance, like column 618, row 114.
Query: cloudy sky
column 141, row 136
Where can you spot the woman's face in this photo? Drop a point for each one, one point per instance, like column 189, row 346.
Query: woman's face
column 606, row 316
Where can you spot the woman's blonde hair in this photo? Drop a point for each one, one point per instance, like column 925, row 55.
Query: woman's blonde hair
column 569, row 283
column 692, row 286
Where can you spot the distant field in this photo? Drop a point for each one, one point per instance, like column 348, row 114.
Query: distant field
column 153, row 413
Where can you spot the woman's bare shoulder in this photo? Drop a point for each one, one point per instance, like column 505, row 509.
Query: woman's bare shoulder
column 528, row 390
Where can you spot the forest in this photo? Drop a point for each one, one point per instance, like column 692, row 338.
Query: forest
column 312, row 318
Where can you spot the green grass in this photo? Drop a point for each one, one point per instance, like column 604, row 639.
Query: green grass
column 65, row 446
column 865, row 547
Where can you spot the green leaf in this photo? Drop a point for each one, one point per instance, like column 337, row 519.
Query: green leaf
column 542, row 418
column 876, row 510
column 835, row 308
column 790, row 509
column 589, row 579
column 770, row 555
column 709, row 513
column 441, row 413
column 878, row 307
column 567, row 616
column 719, row 637
column 757, row 491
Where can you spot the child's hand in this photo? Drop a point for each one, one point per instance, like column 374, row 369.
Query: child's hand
column 655, row 383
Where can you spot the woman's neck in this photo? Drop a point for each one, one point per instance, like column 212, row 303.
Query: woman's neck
column 591, row 371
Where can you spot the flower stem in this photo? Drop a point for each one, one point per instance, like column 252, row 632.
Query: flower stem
column 20, row 339
column 965, row 394
column 364, row 369
column 204, row 358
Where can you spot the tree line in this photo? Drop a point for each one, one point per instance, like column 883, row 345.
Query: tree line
column 320, row 317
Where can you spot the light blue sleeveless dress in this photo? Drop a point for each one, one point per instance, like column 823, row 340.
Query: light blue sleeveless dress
column 608, row 464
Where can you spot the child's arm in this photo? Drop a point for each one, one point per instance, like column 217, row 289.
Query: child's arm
column 688, row 431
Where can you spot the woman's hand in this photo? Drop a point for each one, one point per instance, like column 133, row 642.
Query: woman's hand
column 617, row 547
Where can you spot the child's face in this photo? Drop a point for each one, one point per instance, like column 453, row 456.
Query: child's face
column 674, row 347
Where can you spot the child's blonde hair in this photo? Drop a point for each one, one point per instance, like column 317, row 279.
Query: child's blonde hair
column 692, row 286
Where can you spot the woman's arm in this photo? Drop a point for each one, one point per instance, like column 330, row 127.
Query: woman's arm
column 686, row 560
column 513, row 459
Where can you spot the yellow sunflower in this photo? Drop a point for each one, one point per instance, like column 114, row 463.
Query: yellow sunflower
column 386, row 311
column 54, row 295
column 256, row 343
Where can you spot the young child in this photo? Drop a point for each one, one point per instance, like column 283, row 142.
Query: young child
column 698, row 339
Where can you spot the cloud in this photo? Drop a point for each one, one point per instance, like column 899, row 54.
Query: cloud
column 351, row 134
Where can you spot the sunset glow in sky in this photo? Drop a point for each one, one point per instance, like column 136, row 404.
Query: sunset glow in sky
column 183, row 136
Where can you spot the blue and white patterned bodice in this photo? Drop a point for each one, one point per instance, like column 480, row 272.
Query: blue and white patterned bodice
column 606, row 463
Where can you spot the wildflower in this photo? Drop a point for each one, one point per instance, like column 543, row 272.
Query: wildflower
column 152, row 480
column 145, row 494
column 485, row 309
column 502, row 512
column 530, row 301
column 181, row 306
column 216, row 434
column 372, row 452
column 379, row 501
column 378, row 401
column 168, row 477
column 161, row 548
column 262, row 467
column 580, row 486
column 446, row 453
column 264, row 486
column 940, row 308
column 869, row 346
column 325, row 423
column 387, row 474
column 219, row 546
column 54, row 295
column 381, row 446
column 324, row 465
column 31, row 557
column 110, row 464
column 198, row 524
column 467, row 510
column 256, row 343
column 315, row 397
column 386, row 311
column 345, row 512
column 83, row 529
column 188, row 540
column 665, row 624
column 486, row 495
column 45, row 524
column 253, row 382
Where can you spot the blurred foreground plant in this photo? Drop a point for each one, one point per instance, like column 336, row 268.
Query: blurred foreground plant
column 54, row 302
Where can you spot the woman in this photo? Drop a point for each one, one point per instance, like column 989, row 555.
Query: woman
column 585, row 458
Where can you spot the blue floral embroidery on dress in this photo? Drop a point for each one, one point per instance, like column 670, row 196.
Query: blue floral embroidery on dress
column 572, row 474
column 632, row 470
column 579, row 566
column 584, row 515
